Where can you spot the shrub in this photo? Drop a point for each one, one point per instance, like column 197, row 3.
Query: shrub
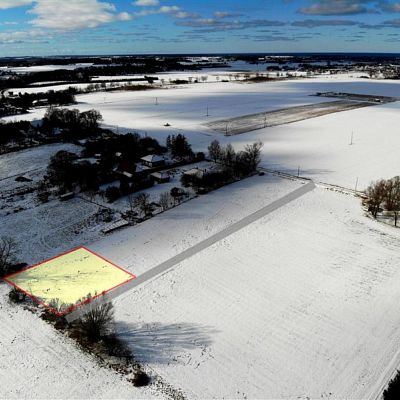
column 8, row 250
column 140, row 379
column 97, row 322
column 16, row 296
column 112, row 193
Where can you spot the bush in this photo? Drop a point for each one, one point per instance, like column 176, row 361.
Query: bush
column 8, row 251
column 97, row 322
column 140, row 379
column 16, row 296
column 112, row 193
column 393, row 390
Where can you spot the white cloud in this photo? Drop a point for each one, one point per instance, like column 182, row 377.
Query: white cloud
column 74, row 14
column 14, row 3
column 173, row 11
column 30, row 36
column 146, row 3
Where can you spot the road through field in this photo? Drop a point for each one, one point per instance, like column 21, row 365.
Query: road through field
column 165, row 266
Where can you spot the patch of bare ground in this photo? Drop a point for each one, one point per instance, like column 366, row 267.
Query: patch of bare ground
column 252, row 122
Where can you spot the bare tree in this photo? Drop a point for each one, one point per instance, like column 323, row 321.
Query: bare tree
column 142, row 202
column 392, row 197
column 229, row 155
column 42, row 193
column 165, row 200
column 8, row 251
column 253, row 155
column 97, row 322
column 376, row 193
column 132, row 203
column 215, row 151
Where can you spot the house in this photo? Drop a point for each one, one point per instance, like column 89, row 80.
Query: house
column 153, row 161
column 196, row 172
column 160, row 177
column 40, row 102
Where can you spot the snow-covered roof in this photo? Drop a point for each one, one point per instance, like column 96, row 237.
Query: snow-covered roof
column 195, row 172
column 160, row 175
column 127, row 174
column 152, row 158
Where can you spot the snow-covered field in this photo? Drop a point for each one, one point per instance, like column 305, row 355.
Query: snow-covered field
column 21, row 162
column 320, row 146
column 45, row 68
column 300, row 304
column 36, row 362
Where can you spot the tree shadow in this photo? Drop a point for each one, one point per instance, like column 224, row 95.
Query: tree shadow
column 159, row 343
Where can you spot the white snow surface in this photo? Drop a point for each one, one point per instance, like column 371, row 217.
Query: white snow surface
column 144, row 246
column 319, row 146
column 303, row 303
column 37, row 362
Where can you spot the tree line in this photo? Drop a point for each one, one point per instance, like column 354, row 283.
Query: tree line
column 384, row 195
column 234, row 166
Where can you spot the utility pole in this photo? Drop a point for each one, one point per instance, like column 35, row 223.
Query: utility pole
column 298, row 171
column 226, row 129
column 356, row 186
column 352, row 138
column 207, row 112
column 265, row 120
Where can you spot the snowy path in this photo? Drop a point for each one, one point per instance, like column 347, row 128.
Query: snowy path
column 165, row 266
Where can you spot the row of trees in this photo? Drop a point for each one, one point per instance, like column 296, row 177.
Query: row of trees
column 240, row 164
column 179, row 146
column 143, row 204
column 52, row 97
column 64, row 171
column 76, row 123
column 234, row 165
column 384, row 195
column 14, row 131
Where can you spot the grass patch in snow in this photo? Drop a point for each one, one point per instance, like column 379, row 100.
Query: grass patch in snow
column 61, row 283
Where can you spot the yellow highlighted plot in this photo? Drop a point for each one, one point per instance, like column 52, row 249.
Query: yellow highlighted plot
column 69, row 279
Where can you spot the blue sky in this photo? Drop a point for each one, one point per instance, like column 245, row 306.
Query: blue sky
column 52, row 27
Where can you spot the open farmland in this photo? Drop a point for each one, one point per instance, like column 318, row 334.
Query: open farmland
column 248, row 123
column 301, row 304
column 319, row 146
column 37, row 362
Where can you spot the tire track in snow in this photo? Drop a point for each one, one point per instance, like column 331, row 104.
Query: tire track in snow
column 197, row 248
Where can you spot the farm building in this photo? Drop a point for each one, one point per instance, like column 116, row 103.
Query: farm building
column 196, row 172
column 153, row 161
column 160, row 177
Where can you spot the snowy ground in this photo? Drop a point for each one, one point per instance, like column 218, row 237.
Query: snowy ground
column 146, row 245
column 36, row 362
column 44, row 68
column 320, row 146
column 22, row 162
column 302, row 304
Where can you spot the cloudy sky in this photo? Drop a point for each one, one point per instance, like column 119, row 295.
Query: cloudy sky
column 43, row 27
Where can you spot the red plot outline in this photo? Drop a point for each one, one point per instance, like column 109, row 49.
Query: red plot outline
column 75, row 306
